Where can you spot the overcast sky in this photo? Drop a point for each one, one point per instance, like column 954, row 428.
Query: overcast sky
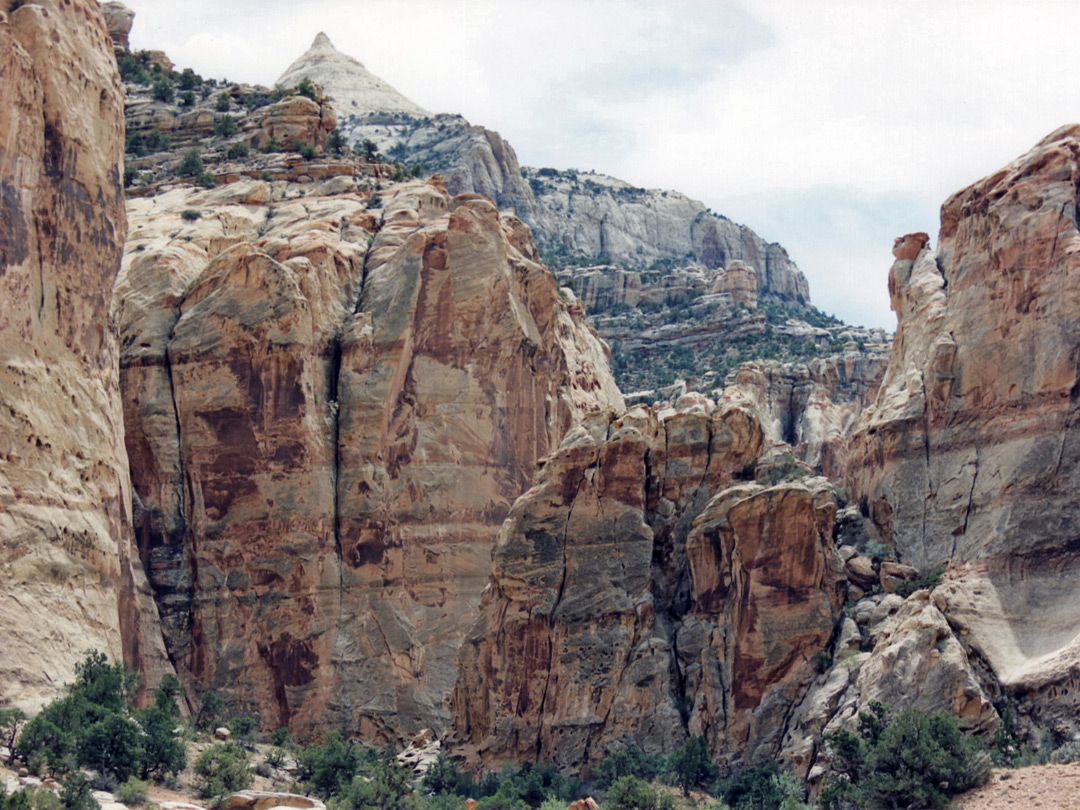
column 830, row 127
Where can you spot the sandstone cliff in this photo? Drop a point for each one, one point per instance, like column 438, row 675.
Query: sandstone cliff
column 644, row 589
column 590, row 214
column 331, row 407
column 970, row 454
column 68, row 579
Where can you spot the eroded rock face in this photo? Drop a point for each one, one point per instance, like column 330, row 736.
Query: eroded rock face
column 970, row 452
column 812, row 406
column 596, row 215
column 640, row 592
column 331, row 408
column 68, row 579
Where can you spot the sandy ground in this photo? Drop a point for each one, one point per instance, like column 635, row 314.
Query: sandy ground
column 1046, row 787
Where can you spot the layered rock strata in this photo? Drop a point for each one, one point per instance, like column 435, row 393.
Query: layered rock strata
column 645, row 588
column 68, row 579
column 970, row 454
column 331, row 408
column 812, row 406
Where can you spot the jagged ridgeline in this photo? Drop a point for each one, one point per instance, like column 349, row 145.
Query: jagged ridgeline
column 683, row 295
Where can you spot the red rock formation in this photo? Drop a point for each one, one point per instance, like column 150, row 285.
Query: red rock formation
column 970, row 454
column 327, row 426
column 607, row 617
column 68, row 580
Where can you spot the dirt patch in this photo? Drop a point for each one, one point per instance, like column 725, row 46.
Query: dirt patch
column 1047, row 787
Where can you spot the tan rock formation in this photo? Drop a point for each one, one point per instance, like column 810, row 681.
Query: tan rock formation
column 296, row 118
column 740, row 282
column 812, row 406
column 331, row 409
column 118, row 19
column 970, row 453
column 605, row 610
column 354, row 89
column 68, row 579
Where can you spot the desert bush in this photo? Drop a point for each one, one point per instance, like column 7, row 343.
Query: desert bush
column 903, row 759
column 238, row 150
column 224, row 126
column 191, row 164
column 222, row 769
column 632, row 793
column 133, row 792
column 163, row 90
column 224, row 103
column 328, row 766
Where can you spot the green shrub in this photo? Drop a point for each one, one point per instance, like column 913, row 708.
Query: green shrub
column 631, row 793
column 307, row 151
column 764, row 788
column 163, row 90
column 135, row 144
column 930, row 580
column 187, row 98
column 189, row 79
column 306, row 89
column 271, row 146
column 337, row 142
column 328, row 766
column 238, row 150
column 76, row 793
column 191, row 164
column 280, row 737
column 630, row 761
column 690, row 765
column 275, row 757
column 206, row 179
column 210, row 707
column 190, row 215
column 157, row 141
column 133, row 792
column 243, row 727
column 385, row 785
column 224, row 103
column 903, row 759
column 131, row 69
column 443, row 776
column 224, row 126
column 113, row 746
column 222, row 769
column 13, row 719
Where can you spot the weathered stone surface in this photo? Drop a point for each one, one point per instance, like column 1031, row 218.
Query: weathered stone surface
column 68, row 578
column 595, row 215
column 813, row 406
column 620, row 591
column 355, row 90
column 327, row 425
column 118, row 19
column 971, row 453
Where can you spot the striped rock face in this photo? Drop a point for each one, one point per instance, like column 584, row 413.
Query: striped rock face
column 330, row 408
column 971, row 455
column 68, row 580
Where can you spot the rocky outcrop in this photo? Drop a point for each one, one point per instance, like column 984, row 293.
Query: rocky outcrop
column 812, row 406
column 970, row 453
column 118, row 19
column 331, row 407
column 590, row 214
column 643, row 589
column 69, row 581
column 354, row 88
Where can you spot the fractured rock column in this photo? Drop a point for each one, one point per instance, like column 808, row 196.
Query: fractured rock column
column 69, row 580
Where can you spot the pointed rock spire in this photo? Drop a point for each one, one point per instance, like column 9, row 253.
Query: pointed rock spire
column 352, row 88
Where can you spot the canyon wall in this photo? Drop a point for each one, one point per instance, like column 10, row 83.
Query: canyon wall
column 969, row 457
column 648, row 587
column 69, row 581
column 332, row 402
